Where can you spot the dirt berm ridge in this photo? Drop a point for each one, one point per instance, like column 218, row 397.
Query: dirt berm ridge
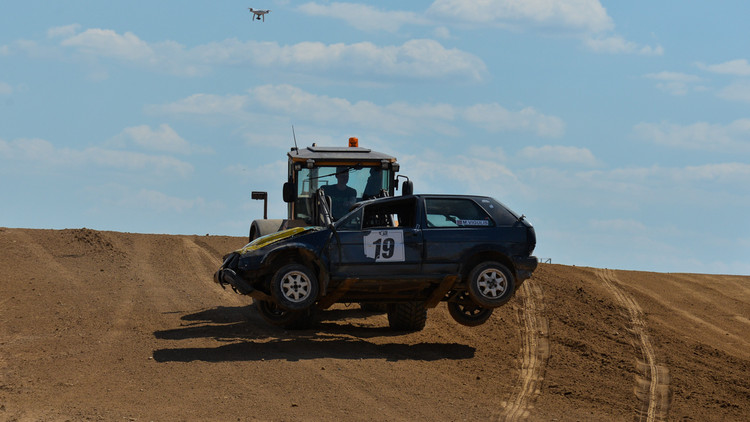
column 112, row 326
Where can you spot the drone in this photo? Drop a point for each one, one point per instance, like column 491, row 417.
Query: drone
column 259, row 13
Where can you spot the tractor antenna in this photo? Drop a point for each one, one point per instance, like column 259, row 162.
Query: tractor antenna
column 295, row 140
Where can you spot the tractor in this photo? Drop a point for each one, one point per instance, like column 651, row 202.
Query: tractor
column 341, row 176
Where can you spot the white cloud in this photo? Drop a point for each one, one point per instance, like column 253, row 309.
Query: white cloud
column 618, row 45
column 203, row 104
column 163, row 139
column 414, row 59
column 738, row 67
column 673, row 77
column 363, row 16
column 728, row 173
column 496, row 118
column 108, row 43
column 584, row 19
column 276, row 170
column 577, row 15
column 63, row 31
column 403, row 118
column 738, row 91
column 618, row 225
column 731, row 138
column 674, row 83
column 559, row 155
column 161, row 202
column 5, row 89
column 442, row 32
column 475, row 170
column 39, row 152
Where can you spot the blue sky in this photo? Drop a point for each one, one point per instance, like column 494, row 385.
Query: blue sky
column 621, row 129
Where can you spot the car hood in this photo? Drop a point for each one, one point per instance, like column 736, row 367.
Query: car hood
column 273, row 238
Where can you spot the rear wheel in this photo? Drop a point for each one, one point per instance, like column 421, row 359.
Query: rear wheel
column 491, row 284
column 374, row 307
column 409, row 316
column 465, row 312
column 275, row 315
column 295, row 287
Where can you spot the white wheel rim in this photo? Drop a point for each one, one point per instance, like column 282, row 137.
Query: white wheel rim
column 295, row 286
column 492, row 283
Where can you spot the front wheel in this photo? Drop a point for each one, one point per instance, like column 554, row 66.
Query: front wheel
column 279, row 317
column 295, row 287
column 491, row 284
column 465, row 312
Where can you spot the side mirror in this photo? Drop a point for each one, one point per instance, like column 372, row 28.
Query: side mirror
column 263, row 196
column 289, row 192
column 407, row 188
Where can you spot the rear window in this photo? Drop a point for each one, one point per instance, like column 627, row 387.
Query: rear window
column 502, row 215
column 455, row 212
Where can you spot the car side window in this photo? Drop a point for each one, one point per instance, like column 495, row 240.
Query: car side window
column 352, row 222
column 392, row 214
column 458, row 212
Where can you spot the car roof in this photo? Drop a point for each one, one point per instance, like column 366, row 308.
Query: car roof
column 417, row 196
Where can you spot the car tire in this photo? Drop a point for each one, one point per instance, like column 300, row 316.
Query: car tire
column 409, row 316
column 294, row 287
column 290, row 320
column 465, row 312
column 491, row 284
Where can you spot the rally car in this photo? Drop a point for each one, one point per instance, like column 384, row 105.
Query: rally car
column 405, row 253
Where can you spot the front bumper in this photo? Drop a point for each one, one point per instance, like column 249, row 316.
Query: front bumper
column 227, row 276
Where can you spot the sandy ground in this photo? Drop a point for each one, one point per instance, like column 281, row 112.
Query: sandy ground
column 120, row 326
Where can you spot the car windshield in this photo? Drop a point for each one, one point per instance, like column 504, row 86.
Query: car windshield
column 344, row 185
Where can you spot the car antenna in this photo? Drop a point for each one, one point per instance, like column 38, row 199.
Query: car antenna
column 295, row 140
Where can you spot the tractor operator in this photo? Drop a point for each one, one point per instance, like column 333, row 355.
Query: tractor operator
column 342, row 196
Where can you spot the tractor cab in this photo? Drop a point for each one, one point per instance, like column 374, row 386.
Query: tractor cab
column 344, row 175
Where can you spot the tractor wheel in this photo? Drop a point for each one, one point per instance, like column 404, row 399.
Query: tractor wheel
column 409, row 316
column 491, row 284
column 295, row 287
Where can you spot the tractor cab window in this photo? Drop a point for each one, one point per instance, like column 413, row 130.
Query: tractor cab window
column 455, row 213
column 345, row 185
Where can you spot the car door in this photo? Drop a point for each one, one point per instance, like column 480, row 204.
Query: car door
column 379, row 240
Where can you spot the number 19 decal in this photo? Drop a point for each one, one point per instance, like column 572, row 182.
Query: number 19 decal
column 385, row 245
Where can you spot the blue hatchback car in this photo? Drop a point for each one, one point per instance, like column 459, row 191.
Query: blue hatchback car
column 405, row 254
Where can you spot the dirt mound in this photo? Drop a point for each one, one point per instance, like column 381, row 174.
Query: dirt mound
column 112, row 326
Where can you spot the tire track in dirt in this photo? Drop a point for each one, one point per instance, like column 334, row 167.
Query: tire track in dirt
column 652, row 382
column 535, row 352
column 201, row 258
